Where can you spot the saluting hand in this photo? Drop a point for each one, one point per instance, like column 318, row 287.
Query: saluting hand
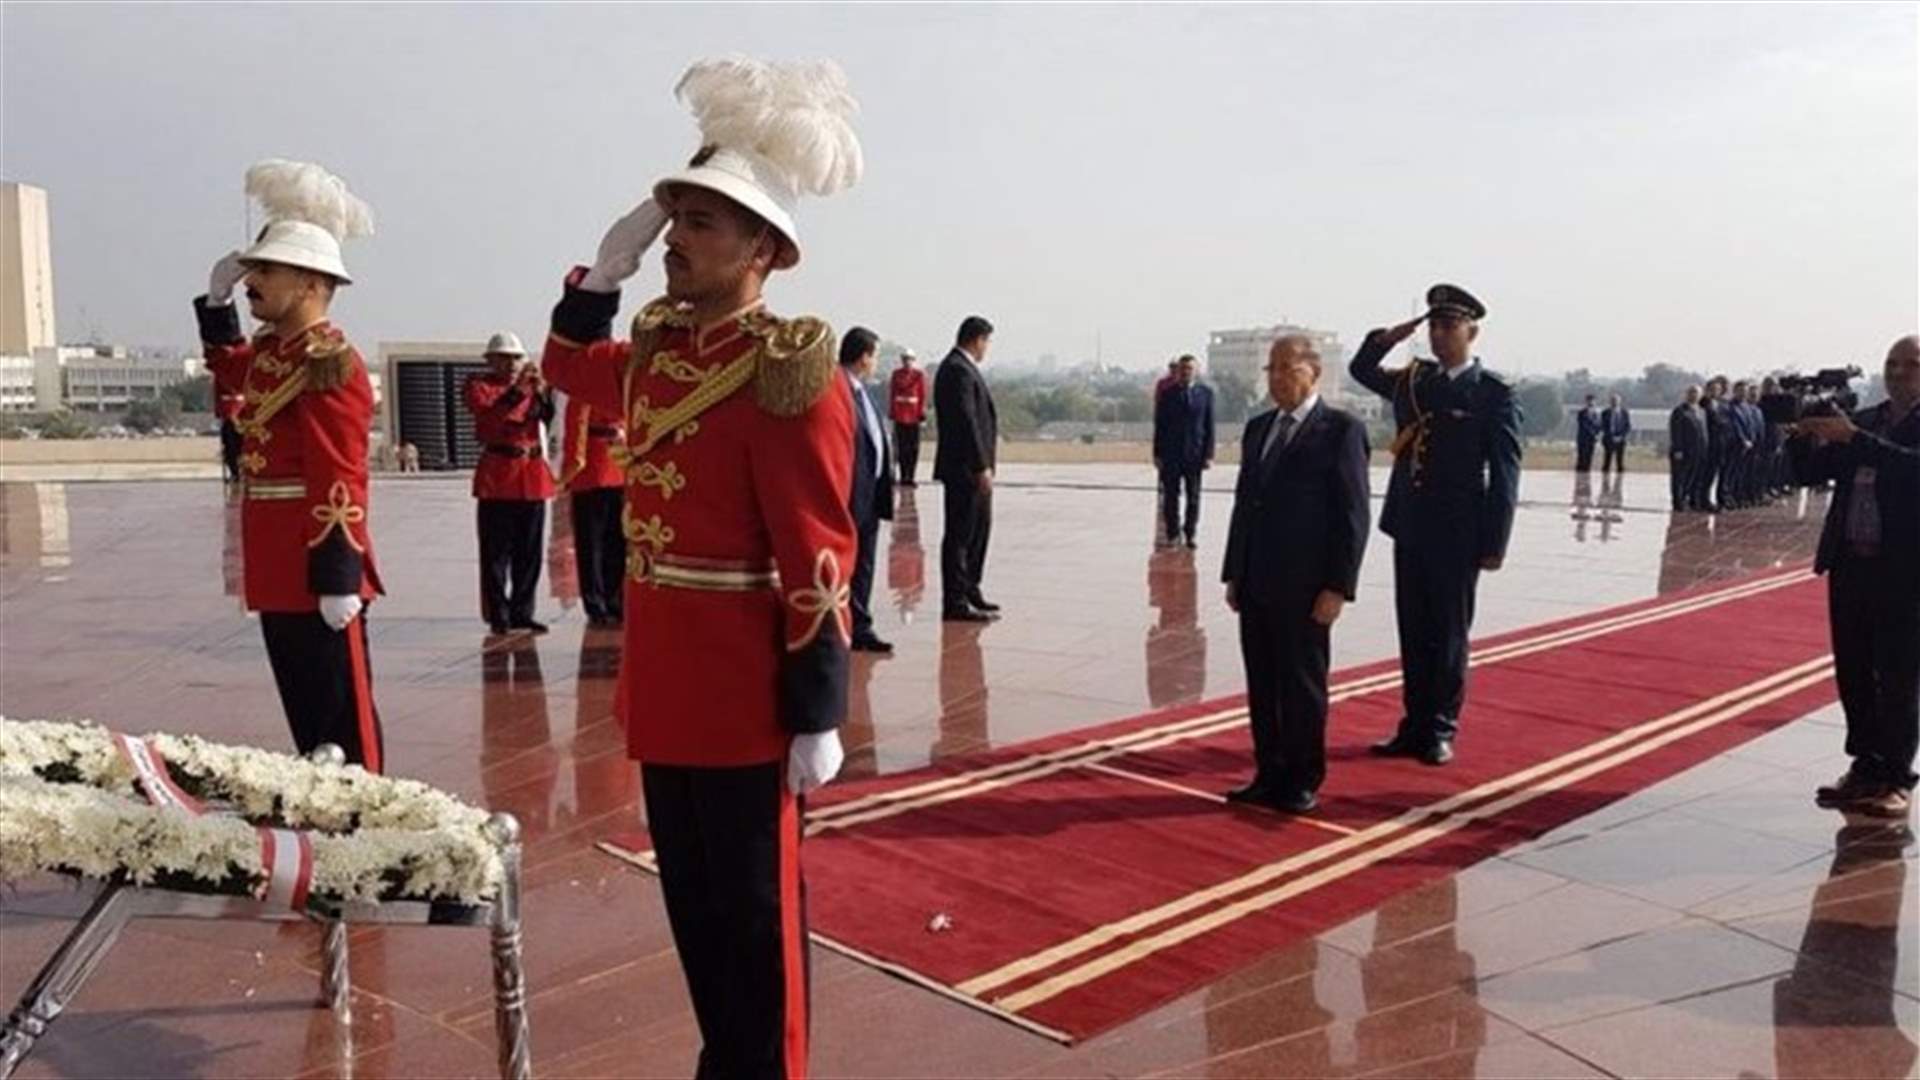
column 225, row 275
column 1397, row 334
column 621, row 248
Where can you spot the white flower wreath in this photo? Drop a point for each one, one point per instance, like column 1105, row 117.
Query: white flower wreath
column 70, row 802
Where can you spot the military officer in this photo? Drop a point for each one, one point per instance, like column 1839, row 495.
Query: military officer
column 1449, row 508
column 306, row 409
column 740, row 545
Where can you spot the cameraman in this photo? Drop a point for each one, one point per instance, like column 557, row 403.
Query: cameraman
column 1870, row 552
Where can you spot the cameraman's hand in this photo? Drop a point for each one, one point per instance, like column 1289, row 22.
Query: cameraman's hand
column 1826, row 429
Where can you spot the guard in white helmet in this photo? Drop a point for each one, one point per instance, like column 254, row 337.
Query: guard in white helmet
column 306, row 408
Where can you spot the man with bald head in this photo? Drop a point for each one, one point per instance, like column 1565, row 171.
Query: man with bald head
column 1868, row 552
column 1299, row 529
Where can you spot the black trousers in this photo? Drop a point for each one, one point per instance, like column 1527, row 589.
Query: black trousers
column 1582, row 456
column 963, row 547
column 906, row 450
column 600, row 550
column 1680, row 482
column 1286, row 656
column 230, row 444
column 1727, row 483
column 1705, row 468
column 1873, row 607
column 1433, row 593
column 861, row 589
column 1614, row 458
column 728, row 842
column 1172, row 479
column 512, row 534
column 326, row 684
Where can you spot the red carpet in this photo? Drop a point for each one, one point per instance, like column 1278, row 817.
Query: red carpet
column 1092, row 876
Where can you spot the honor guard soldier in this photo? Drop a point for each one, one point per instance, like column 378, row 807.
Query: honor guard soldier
column 509, row 403
column 304, row 420
column 597, row 486
column 907, row 406
column 740, row 545
column 1449, row 509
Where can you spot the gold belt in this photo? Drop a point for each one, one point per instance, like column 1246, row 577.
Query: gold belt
column 276, row 490
column 711, row 575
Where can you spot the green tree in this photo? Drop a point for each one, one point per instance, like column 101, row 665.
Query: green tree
column 193, row 395
column 65, row 425
column 150, row 414
column 1540, row 408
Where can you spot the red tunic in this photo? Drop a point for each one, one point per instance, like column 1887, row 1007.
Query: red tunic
column 909, row 395
column 506, row 421
column 740, row 543
column 306, row 412
column 587, row 448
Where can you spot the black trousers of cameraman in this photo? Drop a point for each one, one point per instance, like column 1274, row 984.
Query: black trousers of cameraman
column 1873, row 606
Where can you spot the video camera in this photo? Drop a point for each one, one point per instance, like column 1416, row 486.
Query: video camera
column 1827, row 392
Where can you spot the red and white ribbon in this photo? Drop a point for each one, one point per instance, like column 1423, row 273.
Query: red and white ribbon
column 288, row 856
column 151, row 770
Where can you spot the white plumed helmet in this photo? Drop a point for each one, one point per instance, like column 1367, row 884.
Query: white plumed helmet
column 770, row 133
column 309, row 212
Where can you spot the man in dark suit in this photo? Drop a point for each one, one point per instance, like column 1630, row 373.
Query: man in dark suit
column 871, row 500
column 963, row 462
column 1615, row 425
column 1586, row 432
column 1299, row 529
column 1867, row 550
column 1182, row 447
column 1686, row 451
column 1712, row 489
column 1450, row 502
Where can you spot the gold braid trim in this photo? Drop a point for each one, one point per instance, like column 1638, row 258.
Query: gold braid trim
column 796, row 361
column 270, row 404
column 340, row 512
column 331, row 361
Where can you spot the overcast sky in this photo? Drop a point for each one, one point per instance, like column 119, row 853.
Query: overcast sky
column 1717, row 185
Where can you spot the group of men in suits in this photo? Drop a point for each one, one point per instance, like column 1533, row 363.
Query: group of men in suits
column 1299, row 532
column 1721, row 452
column 1606, row 428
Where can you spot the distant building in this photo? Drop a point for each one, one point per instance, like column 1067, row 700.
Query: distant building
column 425, row 408
column 1245, row 352
column 26, row 271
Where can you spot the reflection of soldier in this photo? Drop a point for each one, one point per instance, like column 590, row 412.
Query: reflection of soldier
column 906, row 559
column 513, row 718
column 1582, row 504
column 1270, row 1001
column 604, row 782
column 1857, row 930
column 963, row 692
column 1416, row 954
column 1176, row 646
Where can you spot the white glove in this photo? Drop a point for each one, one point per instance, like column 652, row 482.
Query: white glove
column 225, row 275
column 339, row 610
column 622, row 247
column 813, row 760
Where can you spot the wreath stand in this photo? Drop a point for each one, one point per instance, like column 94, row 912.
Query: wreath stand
column 119, row 902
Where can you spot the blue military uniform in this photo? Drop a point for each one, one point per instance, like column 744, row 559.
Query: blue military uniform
column 1450, row 504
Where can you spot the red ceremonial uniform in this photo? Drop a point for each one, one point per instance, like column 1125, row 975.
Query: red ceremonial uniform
column 227, row 404
column 506, row 421
column 738, row 462
column 587, row 448
column 909, row 395
column 305, row 417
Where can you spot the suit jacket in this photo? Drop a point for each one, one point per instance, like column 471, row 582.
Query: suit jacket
column 968, row 425
column 1300, row 517
column 1615, row 425
column 1687, row 432
column 1183, row 426
column 1586, row 426
column 1456, row 470
column 1894, row 456
column 872, row 496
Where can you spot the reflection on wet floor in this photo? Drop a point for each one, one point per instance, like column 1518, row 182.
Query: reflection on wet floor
column 1556, row 959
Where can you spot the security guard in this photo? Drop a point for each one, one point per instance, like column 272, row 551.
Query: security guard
column 740, row 545
column 305, row 411
column 1449, row 509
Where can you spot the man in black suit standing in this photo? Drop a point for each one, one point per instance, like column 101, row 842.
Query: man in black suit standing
column 963, row 462
column 1299, row 529
column 1449, row 508
column 1616, row 424
column 1182, row 447
column 1867, row 551
column 1586, row 432
column 1686, row 451
column 871, row 499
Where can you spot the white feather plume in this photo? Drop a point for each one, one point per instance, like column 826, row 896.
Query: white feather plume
column 796, row 116
column 299, row 191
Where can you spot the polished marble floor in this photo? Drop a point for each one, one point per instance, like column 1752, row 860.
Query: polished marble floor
column 1716, row 924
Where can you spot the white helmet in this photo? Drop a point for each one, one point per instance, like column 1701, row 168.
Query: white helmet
column 299, row 243
column 309, row 211
column 505, row 343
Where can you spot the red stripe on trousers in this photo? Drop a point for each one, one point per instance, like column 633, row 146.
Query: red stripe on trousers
column 793, row 937
column 363, row 694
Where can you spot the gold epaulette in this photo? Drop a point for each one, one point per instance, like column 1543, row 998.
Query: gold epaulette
column 330, row 360
column 794, row 364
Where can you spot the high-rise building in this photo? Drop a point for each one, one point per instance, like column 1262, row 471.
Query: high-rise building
column 26, row 271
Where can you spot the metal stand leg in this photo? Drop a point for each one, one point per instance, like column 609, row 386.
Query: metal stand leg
column 509, row 974
column 54, row 988
column 336, row 984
